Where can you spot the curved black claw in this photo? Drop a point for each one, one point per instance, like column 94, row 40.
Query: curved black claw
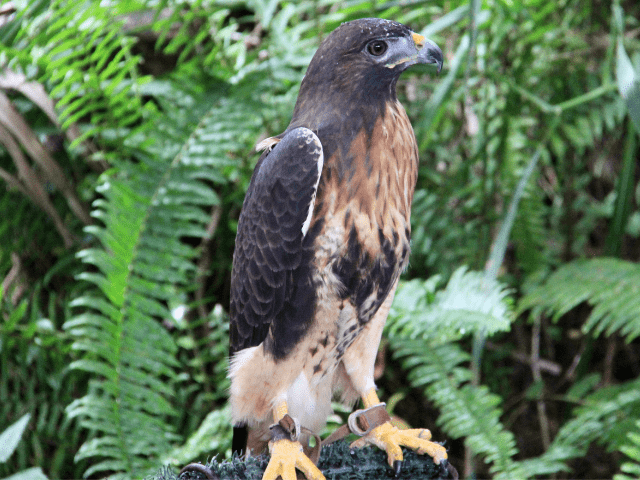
column 199, row 468
column 447, row 470
column 397, row 468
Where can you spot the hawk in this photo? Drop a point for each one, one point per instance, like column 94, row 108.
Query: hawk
column 322, row 238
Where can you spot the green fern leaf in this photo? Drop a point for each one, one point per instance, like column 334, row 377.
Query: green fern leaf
column 146, row 210
column 466, row 411
column 606, row 416
column 611, row 286
column 214, row 434
column 422, row 324
column 632, row 450
column 469, row 303
column 88, row 60
column 528, row 233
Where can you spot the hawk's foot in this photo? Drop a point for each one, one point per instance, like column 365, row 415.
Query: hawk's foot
column 390, row 438
column 286, row 456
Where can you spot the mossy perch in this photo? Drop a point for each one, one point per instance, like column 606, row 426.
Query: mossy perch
column 337, row 462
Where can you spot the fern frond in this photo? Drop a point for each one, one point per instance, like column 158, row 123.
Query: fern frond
column 199, row 24
column 125, row 347
column 146, row 212
column 214, row 434
column 421, row 324
column 610, row 285
column 606, row 416
column 632, row 450
column 469, row 303
column 466, row 411
column 528, row 232
column 89, row 63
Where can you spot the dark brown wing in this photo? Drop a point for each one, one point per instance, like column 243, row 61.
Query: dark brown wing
column 270, row 280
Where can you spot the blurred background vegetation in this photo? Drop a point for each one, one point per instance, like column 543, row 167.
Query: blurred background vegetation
column 127, row 134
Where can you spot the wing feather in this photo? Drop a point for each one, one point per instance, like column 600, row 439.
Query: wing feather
column 271, row 262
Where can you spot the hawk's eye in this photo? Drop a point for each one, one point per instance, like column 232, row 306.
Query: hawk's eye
column 377, row 47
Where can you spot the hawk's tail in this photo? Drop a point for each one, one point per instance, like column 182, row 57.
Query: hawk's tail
column 240, row 436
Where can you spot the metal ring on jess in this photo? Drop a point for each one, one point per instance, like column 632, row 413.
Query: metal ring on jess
column 353, row 420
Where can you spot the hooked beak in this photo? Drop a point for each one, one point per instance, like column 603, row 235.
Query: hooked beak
column 428, row 51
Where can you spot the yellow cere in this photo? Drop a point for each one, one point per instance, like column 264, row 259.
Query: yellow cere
column 418, row 39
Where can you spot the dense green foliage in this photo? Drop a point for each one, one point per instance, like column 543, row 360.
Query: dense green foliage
column 126, row 146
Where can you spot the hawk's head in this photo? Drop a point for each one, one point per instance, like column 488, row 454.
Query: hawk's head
column 357, row 66
column 367, row 54
column 352, row 78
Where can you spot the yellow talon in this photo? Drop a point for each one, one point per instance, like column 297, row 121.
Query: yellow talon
column 286, row 456
column 390, row 438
